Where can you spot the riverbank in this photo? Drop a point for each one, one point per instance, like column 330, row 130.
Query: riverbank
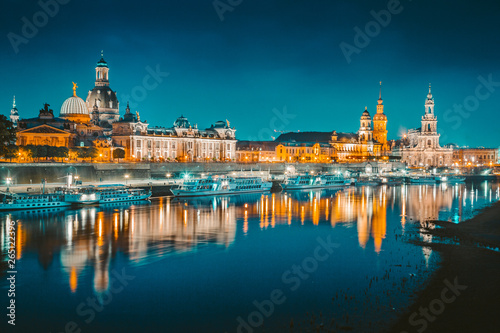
column 463, row 294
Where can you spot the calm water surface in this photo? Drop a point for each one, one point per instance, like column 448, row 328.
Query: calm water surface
column 214, row 264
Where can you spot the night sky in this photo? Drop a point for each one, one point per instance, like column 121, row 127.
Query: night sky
column 263, row 56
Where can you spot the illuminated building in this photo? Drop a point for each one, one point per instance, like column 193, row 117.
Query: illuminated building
column 421, row 146
column 380, row 124
column 71, row 129
column 96, row 123
column 101, row 101
column 475, row 156
column 369, row 141
column 256, row 151
column 181, row 142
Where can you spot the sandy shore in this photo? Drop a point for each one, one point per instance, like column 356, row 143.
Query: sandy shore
column 464, row 293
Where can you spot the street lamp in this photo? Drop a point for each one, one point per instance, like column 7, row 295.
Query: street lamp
column 126, row 179
column 7, row 180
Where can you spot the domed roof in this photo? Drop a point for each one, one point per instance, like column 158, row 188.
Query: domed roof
column 104, row 97
column 74, row 105
column 366, row 114
column 182, row 122
column 379, row 116
column 220, row 124
column 102, row 62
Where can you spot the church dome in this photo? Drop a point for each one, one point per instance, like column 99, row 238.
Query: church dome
column 103, row 97
column 182, row 122
column 75, row 109
column 74, row 105
column 379, row 116
column 366, row 114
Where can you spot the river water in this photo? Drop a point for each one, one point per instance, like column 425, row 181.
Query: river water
column 283, row 262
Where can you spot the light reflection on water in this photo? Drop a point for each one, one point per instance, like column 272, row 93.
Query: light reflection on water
column 183, row 249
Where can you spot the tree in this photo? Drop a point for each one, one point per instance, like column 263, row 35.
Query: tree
column 92, row 153
column 7, row 134
column 61, row 152
column 11, row 152
column 118, row 153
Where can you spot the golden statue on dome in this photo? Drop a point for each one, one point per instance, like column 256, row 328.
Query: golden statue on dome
column 74, row 88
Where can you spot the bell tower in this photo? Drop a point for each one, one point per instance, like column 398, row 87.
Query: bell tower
column 365, row 129
column 101, row 72
column 380, row 121
column 430, row 136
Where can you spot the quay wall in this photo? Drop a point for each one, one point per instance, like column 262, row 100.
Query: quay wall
column 33, row 173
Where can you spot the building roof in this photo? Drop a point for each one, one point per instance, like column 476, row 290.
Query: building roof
column 74, row 105
column 256, row 145
column 321, row 137
column 44, row 129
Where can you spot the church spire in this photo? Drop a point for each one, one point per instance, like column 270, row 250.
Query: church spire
column 380, row 100
column 14, row 114
column 429, row 95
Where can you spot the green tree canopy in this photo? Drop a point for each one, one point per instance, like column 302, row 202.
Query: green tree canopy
column 7, row 134
column 118, row 153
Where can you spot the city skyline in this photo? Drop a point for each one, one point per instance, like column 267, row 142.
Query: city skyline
column 264, row 60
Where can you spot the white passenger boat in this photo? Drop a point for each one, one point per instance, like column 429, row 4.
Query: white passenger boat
column 369, row 181
column 350, row 181
column 302, row 182
column 452, row 179
column 79, row 195
column 120, row 193
column 221, row 186
column 424, row 180
column 391, row 180
column 18, row 201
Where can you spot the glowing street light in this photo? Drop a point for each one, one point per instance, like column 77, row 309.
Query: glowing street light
column 8, row 180
column 126, row 179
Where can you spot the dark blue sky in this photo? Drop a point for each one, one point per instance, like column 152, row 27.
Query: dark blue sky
column 265, row 56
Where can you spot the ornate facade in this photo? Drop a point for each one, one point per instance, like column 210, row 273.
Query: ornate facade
column 421, row 146
column 182, row 142
column 96, row 123
column 475, row 157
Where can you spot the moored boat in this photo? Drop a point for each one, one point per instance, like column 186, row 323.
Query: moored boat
column 21, row 201
column 391, row 180
column 424, row 180
column 368, row 181
column 120, row 193
column 221, row 186
column 451, row 179
column 302, row 182
column 79, row 195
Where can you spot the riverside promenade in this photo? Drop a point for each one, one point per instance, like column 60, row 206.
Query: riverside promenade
column 95, row 173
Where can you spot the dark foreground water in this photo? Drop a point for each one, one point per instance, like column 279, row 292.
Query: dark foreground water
column 287, row 262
